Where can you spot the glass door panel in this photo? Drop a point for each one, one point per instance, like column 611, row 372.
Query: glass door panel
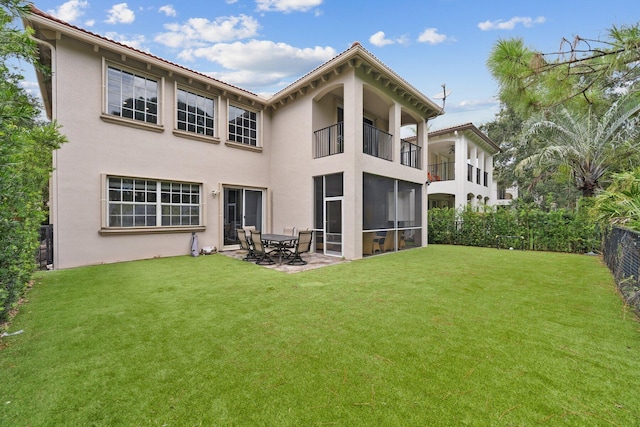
column 253, row 208
column 242, row 207
column 333, row 227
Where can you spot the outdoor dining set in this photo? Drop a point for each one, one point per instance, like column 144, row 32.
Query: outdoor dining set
column 264, row 248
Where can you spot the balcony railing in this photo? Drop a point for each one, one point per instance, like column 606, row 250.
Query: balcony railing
column 376, row 142
column 328, row 141
column 410, row 154
column 441, row 172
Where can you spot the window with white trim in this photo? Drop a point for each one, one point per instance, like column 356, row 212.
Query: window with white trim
column 196, row 113
column 132, row 95
column 137, row 202
column 243, row 126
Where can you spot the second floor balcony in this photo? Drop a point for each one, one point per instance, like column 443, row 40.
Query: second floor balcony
column 410, row 154
column 375, row 142
column 445, row 171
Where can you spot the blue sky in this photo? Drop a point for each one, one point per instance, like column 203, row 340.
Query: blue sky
column 263, row 45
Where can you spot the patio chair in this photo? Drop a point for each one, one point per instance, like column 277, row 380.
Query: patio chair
column 260, row 249
column 303, row 245
column 371, row 243
column 289, row 246
column 389, row 245
column 246, row 245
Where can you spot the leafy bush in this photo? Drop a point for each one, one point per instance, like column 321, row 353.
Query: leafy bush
column 25, row 164
column 558, row 231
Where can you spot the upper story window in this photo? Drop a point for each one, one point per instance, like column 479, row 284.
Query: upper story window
column 196, row 113
column 131, row 95
column 243, row 126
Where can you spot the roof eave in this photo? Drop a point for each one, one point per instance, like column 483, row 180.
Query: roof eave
column 45, row 21
column 355, row 57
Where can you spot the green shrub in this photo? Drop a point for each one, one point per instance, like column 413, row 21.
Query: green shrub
column 557, row 231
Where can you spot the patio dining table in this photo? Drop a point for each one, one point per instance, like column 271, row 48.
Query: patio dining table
column 279, row 241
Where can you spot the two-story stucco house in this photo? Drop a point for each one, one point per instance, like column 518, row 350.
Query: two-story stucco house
column 460, row 169
column 156, row 152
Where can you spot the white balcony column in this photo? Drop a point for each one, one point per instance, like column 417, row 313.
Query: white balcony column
column 473, row 156
column 481, row 166
column 395, row 122
column 489, row 169
column 461, row 170
column 422, row 135
column 422, row 141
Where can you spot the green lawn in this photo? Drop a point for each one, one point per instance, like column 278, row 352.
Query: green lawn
column 439, row 336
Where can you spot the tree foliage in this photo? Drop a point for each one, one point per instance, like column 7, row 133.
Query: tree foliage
column 619, row 204
column 25, row 162
column 587, row 144
column 540, row 186
column 583, row 72
column 577, row 110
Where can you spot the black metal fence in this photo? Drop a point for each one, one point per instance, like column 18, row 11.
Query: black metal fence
column 44, row 257
column 621, row 250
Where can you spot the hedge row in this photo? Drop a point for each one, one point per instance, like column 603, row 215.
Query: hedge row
column 527, row 227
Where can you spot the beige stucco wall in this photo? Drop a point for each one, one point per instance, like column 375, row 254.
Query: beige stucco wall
column 96, row 148
column 293, row 166
column 283, row 166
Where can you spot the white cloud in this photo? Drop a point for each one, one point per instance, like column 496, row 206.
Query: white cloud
column 475, row 104
column 431, row 36
column 70, row 10
column 287, row 6
column 136, row 41
column 168, row 10
column 380, row 39
column 90, row 23
column 511, row 23
column 30, row 87
column 260, row 63
column 120, row 14
column 197, row 31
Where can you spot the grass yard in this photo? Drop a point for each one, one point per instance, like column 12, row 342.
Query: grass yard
column 439, row 336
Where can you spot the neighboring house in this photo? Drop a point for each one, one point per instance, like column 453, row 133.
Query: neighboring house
column 460, row 168
column 505, row 195
column 157, row 152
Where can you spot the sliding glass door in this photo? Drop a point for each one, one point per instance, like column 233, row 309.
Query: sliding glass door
column 243, row 207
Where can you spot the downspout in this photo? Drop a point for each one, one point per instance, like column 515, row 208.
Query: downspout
column 54, row 84
column 53, row 186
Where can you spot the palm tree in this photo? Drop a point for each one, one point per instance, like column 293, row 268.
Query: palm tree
column 588, row 145
column 620, row 203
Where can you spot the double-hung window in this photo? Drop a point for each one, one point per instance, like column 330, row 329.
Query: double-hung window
column 131, row 95
column 196, row 113
column 243, row 126
column 138, row 202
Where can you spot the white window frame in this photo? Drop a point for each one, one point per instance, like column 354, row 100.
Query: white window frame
column 194, row 134
column 258, row 122
column 164, row 206
column 112, row 118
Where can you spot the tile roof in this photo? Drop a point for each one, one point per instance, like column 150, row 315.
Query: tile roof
column 466, row 127
column 356, row 50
